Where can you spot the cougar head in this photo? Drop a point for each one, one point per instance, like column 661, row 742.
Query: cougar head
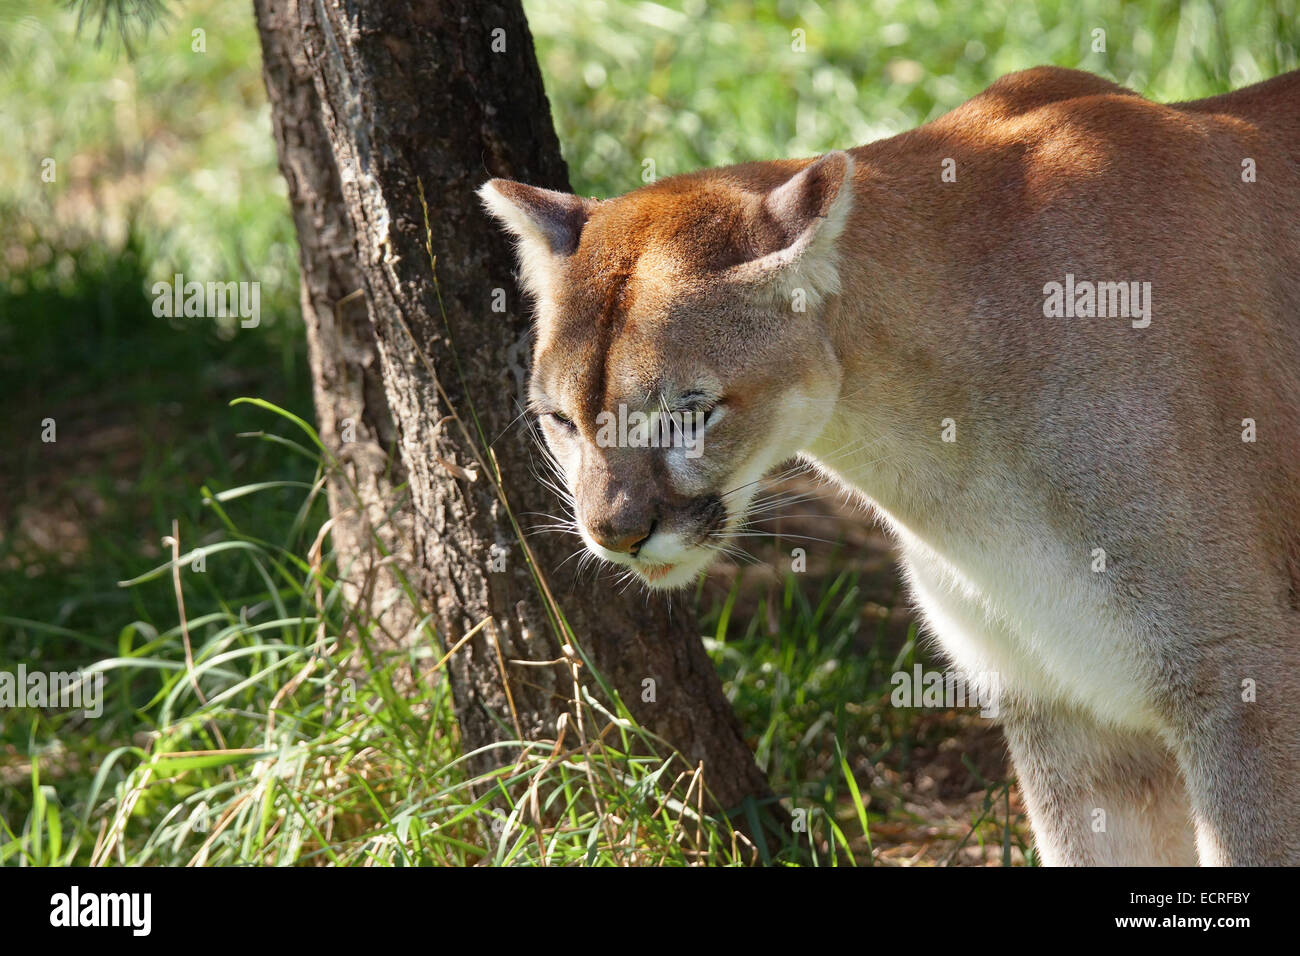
column 680, row 349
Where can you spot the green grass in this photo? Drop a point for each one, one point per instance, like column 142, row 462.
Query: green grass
column 165, row 163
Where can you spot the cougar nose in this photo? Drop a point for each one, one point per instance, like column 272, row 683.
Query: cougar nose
column 626, row 542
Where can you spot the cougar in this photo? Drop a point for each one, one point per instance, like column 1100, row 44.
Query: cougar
column 1052, row 338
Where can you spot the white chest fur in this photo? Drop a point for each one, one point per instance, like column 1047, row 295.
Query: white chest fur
column 1002, row 596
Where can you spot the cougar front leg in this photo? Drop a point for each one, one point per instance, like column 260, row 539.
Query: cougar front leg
column 1099, row 796
column 1242, row 766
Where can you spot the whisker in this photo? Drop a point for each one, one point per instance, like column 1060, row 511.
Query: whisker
column 510, row 425
column 750, row 519
column 774, row 502
column 773, row 534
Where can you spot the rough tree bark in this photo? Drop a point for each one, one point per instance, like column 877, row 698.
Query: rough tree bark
column 371, row 101
column 370, row 508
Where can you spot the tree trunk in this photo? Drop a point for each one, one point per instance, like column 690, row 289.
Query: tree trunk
column 371, row 511
column 372, row 103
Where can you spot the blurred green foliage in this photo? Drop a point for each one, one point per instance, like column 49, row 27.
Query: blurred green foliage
column 175, row 141
column 698, row 83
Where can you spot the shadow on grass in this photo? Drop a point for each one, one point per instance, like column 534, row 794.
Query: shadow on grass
column 140, row 414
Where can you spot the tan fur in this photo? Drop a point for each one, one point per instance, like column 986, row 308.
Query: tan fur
column 1122, row 689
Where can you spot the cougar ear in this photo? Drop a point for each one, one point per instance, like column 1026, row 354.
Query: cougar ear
column 808, row 213
column 548, row 225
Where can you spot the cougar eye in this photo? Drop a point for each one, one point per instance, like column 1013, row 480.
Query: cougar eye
column 693, row 403
column 562, row 420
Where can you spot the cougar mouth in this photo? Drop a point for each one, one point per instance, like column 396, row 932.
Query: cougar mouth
column 656, row 571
